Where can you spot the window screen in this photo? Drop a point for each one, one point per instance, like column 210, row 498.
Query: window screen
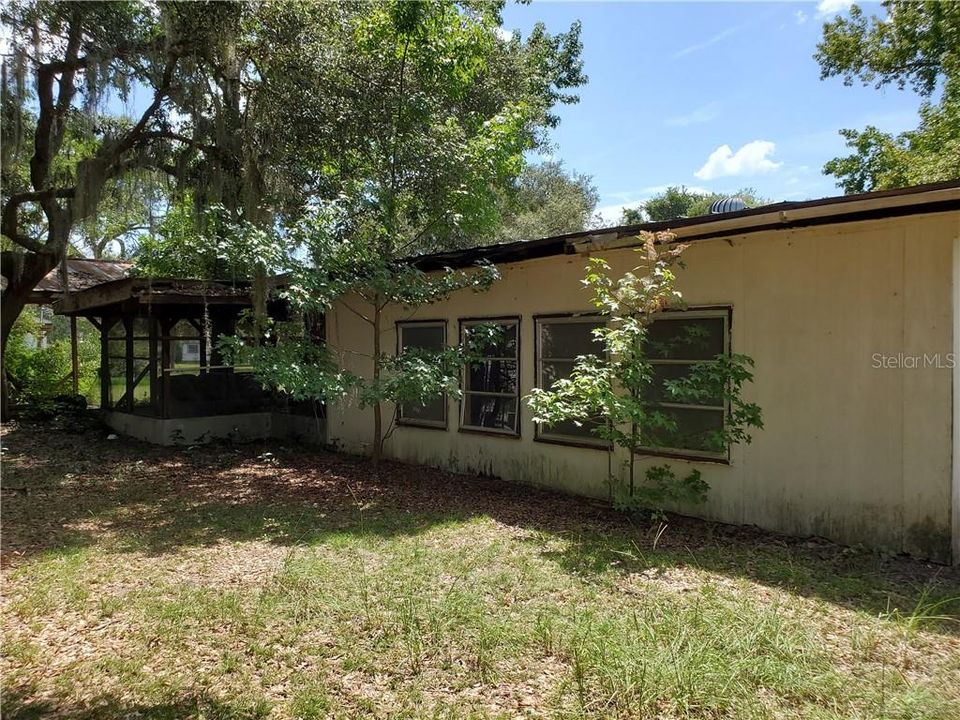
column 185, row 349
column 675, row 343
column 116, row 366
column 491, row 388
column 560, row 341
column 428, row 336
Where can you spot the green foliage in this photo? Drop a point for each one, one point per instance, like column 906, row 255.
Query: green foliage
column 617, row 384
column 307, row 369
column 882, row 161
column 917, row 45
column 124, row 216
column 879, row 161
column 295, row 365
column 40, row 374
column 415, row 156
column 545, row 200
column 208, row 245
column 178, row 249
column 662, row 487
column 680, row 202
column 419, row 114
column 672, row 203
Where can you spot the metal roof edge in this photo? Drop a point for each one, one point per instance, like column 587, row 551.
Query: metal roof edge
column 918, row 199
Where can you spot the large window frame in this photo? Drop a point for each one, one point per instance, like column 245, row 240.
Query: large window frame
column 541, row 433
column 420, row 422
column 725, row 313
column 465, row 324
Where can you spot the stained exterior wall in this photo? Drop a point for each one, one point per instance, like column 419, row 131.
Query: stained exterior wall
column 849, row 451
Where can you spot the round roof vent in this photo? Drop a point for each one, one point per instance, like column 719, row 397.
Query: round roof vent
column 726, row 205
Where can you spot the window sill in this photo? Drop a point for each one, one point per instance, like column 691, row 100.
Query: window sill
column 506, row 434
column 571, row 443
column 678, row 455
column 421, row 426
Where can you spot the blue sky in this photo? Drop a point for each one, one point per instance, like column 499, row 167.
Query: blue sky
column 714, row 95
column 711, row 95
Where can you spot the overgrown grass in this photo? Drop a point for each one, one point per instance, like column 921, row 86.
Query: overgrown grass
column 164, row 600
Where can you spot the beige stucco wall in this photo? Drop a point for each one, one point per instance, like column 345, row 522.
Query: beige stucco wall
column 849, row 451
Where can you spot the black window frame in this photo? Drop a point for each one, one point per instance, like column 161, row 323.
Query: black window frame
column 464, row 323
column 724, row 312
column 556, row 438
column 416, row 422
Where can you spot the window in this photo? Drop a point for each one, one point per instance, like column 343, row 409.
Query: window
column 491, row 387
column 560, row 341
column 426, row 335
column 676, row 341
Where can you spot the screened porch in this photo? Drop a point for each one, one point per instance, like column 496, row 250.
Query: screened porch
column 162, row 377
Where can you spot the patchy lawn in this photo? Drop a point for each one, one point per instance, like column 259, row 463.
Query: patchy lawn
column 276, row 581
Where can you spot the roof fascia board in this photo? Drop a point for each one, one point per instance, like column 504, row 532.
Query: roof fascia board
column 787, row 217
column 96, row 296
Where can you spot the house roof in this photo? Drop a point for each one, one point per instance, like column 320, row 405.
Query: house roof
column 95, row 283
column 82, row 273
column 128, row 293
column 935, row 197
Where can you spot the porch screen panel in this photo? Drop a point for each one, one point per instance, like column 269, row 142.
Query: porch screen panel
column 116, row 363
column 491, row 388
column 185, row 347
column 560, row 341
column 423, row 336
column 676, row 342
column 142, row 367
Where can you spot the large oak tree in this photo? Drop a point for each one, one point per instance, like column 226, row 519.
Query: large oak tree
column 917, row 46
column 63, row 148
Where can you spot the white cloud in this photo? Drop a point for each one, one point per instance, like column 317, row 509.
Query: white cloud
column 702, row 114
column 829, row 8
column 706, row 43
column 750, row 159
column 504, row 34
column 800, row 16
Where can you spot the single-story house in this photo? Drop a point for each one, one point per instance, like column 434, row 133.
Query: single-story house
column 850, row 307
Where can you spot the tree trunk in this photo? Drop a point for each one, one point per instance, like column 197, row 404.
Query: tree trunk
column 23, row 272
column 377, row 412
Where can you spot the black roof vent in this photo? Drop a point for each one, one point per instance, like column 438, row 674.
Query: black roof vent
column 726, row 205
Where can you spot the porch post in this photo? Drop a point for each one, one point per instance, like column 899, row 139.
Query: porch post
column 128, row 329
column 156, row 398
column 74, row 356
column 165, row 327
column 105, row 326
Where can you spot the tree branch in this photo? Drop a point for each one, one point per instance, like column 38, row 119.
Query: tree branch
column 50, row 121
column 164, row 135
column 9, row 223
column 137, row 131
